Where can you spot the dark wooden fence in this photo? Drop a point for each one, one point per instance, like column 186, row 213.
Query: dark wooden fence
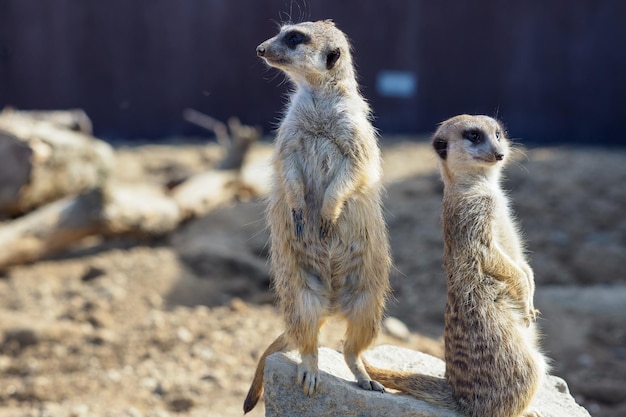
column 553, row 70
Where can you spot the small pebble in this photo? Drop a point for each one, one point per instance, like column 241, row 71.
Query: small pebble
column 396, row 328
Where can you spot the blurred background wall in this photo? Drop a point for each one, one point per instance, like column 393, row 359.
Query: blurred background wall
column 553, row 70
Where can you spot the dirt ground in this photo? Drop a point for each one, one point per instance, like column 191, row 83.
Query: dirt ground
column 175, row 326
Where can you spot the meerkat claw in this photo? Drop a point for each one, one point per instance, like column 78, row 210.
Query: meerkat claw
column 298, row 221
column 534, row 313
column 309, row 380
column 326, row 227
column 371, row 385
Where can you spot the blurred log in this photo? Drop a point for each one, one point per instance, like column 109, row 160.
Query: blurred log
column 72, row 119
column 204, row 192
column 134, row 211
column 236, row 143
column 139, row 211
column 104, row 209
column 43, row 162
column 209, row 123
column 242, row 137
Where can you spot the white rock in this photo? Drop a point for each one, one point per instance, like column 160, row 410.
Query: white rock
column 132, row 412
column 79, row 410
column 395, row 328
column 340, row 396
column 184, row 335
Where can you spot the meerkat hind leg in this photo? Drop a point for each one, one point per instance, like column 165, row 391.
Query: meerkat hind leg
column 362, row 327
column 303, row 329
column 357, row 340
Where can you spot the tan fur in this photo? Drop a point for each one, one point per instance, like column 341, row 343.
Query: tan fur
column 493, row 364
column 329, row 245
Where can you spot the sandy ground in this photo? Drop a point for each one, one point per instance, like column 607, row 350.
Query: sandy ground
column 175, row 326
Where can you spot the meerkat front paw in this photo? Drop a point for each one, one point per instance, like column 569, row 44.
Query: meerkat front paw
column 534, row 314
column 531, row 313
column 326, row 227
column 331, row 210
column 531, row 316
column 330, row 214
column 298, row 222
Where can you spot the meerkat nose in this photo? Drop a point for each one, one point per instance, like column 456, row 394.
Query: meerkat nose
column 260, row 51
column 499, row 156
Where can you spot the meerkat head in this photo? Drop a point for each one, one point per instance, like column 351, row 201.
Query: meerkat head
column 469, row 144
column 308, row 51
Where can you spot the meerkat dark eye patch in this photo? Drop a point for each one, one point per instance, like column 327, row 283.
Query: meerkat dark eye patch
column 332, row 57
column 474, row 135
column 441, row 147
column 294, row 38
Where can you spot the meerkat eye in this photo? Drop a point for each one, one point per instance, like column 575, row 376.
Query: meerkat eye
column 498, row 134
column 473, row 135
column 294, row 38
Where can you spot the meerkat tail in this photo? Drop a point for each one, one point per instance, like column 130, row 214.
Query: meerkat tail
column 256, row 388
column 432, row 389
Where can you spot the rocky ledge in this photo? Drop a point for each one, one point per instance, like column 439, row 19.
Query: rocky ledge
column 340, row 396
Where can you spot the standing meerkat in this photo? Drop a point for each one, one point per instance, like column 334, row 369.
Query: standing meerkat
column 493, row 363
column 329, row 245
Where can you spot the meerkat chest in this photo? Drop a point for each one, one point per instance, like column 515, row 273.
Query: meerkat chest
column 318, row 131
column 320, row 156
column 319, row 160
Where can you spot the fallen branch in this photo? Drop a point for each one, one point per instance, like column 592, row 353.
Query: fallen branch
column 206, row 191
column 237, row 143
column 109, row 209
column 43, row 162
column 118, row 211
column 72, row 119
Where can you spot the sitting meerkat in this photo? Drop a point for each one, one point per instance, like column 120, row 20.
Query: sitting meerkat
column 329, row 245
column 493, row 363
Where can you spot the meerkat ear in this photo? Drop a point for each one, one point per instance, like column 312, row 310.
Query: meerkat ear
column 332, row 57
column 441, row 147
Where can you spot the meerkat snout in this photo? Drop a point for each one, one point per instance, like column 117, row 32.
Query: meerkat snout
column 498, row 152
column 260, row 51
